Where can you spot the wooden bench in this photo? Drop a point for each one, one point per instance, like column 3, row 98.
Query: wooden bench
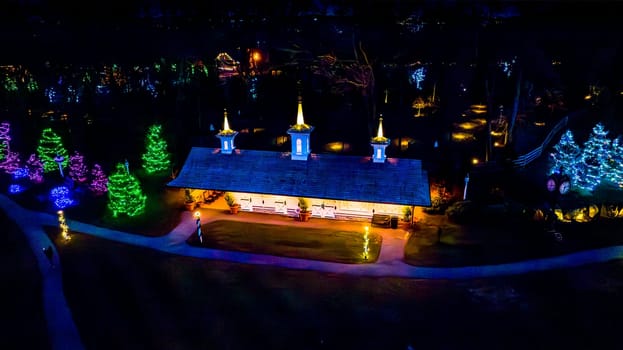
column 381, row 220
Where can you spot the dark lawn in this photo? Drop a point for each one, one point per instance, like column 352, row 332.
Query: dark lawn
column 125, row 297
column 162, row 211
column 503, row 242
column 288, row 241
column 22, row 323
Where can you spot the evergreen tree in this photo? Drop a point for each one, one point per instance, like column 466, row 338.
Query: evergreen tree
column 5, row 139
column 99, row 180
column 51, row 146
column 156, row 158
column 77, row 169
column 11, row 162
column 615, row 163
column 565, row 156
column 35, row 168
column 125, row 195
column 593, row 160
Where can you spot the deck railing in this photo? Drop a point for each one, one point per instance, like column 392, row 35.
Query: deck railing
column 527, row 158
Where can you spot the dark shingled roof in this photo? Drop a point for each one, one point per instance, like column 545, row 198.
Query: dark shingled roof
column 352, row 178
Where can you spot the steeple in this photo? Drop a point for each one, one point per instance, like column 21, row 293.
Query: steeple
column 299, row 135
column 378, row 144
column 227, row 136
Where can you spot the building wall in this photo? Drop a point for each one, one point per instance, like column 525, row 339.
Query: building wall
column 324, row 208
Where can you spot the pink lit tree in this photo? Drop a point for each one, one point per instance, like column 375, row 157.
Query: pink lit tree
column 77, row 169
column 99, row 180
column 11, row 162
column 35, row 168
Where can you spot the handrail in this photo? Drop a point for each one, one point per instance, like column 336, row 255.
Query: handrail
column 527, row 158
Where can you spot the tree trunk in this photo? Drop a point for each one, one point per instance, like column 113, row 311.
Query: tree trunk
column 513, row 118
column 490, row 109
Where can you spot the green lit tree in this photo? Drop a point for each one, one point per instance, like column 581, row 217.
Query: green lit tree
column 565, row 156
column 156, row 158
column 125, row 195
column 51, row 146
column 593, row 160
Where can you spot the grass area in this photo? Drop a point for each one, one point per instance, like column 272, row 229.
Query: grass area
column 23, row 322
column 508, row 240
column 288, row 241
column 162, row 210
column 127, row 297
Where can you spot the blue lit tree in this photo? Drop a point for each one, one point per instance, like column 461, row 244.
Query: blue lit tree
column 614, row 172
column 593, row 160
column 565, row 156
column 417, row 76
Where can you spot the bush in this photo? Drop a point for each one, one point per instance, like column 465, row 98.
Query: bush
column 231, row 201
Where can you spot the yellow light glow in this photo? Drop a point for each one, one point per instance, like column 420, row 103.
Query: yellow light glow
column 197, row 214
column 462, row 137
column 337, row 146
column 468, row 125
column 588, row 97
column 257, row 56
column 475, row 161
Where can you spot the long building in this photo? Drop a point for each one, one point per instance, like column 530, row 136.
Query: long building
column 337, row 186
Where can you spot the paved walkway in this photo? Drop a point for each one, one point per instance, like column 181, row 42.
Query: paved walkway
column 63, row 332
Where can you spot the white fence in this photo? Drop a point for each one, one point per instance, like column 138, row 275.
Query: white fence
column 527, row 158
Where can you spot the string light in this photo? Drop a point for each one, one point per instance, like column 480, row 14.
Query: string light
column 62, row 224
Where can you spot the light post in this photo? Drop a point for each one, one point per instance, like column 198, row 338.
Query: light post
column 465, row 188
column 198, row 222
column 59, row 160
column 366, row 242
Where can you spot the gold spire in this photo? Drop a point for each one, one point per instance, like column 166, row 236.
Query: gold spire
column 300, row 125
column 226, row 123
column 379, row 135
column 299, row 114
column 226, row 130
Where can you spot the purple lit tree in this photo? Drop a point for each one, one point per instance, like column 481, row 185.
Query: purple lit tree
column 11, row 163
column 77, row 169
column 99, row 180
column 5, row 139
column 35, row 168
